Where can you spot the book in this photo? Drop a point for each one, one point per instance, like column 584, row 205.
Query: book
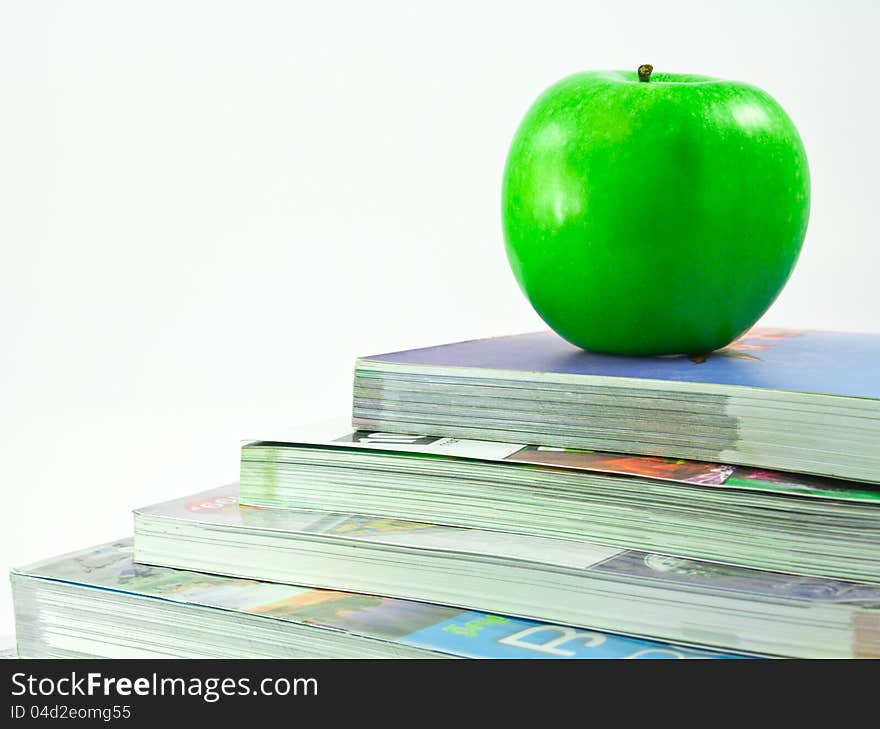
column 791, row 400
column 734, row 514
column 646, row 594
column 99, row 603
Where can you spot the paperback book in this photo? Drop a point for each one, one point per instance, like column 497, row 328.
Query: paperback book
column 99, row 603
column 640, row 593
column 734, row 514
column 802, row 401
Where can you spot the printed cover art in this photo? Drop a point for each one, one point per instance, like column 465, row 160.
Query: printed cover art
column 832, row 363
column 338, row 434
column 681, row 570
column 434, row 627
column 220, row 506
column 480, row 635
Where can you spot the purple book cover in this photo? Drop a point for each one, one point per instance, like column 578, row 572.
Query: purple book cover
column 829, row 363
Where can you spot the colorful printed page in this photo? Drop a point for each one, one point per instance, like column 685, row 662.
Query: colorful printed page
column 433, row 627
column 338, row 434
column 220, row 507
column 829, row 363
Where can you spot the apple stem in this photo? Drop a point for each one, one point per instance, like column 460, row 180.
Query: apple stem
column 645, row 72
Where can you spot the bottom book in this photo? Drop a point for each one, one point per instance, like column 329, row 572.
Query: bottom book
column 99, row 603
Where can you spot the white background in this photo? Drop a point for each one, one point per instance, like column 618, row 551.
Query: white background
column 208, row 209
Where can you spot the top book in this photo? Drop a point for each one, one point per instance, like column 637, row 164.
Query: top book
column 804, row 401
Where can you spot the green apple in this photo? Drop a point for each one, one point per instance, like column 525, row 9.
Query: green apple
column 654, row 214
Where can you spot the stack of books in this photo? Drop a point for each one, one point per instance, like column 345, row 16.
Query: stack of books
column 518, row 497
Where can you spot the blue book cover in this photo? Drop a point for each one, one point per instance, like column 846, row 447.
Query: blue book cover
column 828, row 363
column 482, row 635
